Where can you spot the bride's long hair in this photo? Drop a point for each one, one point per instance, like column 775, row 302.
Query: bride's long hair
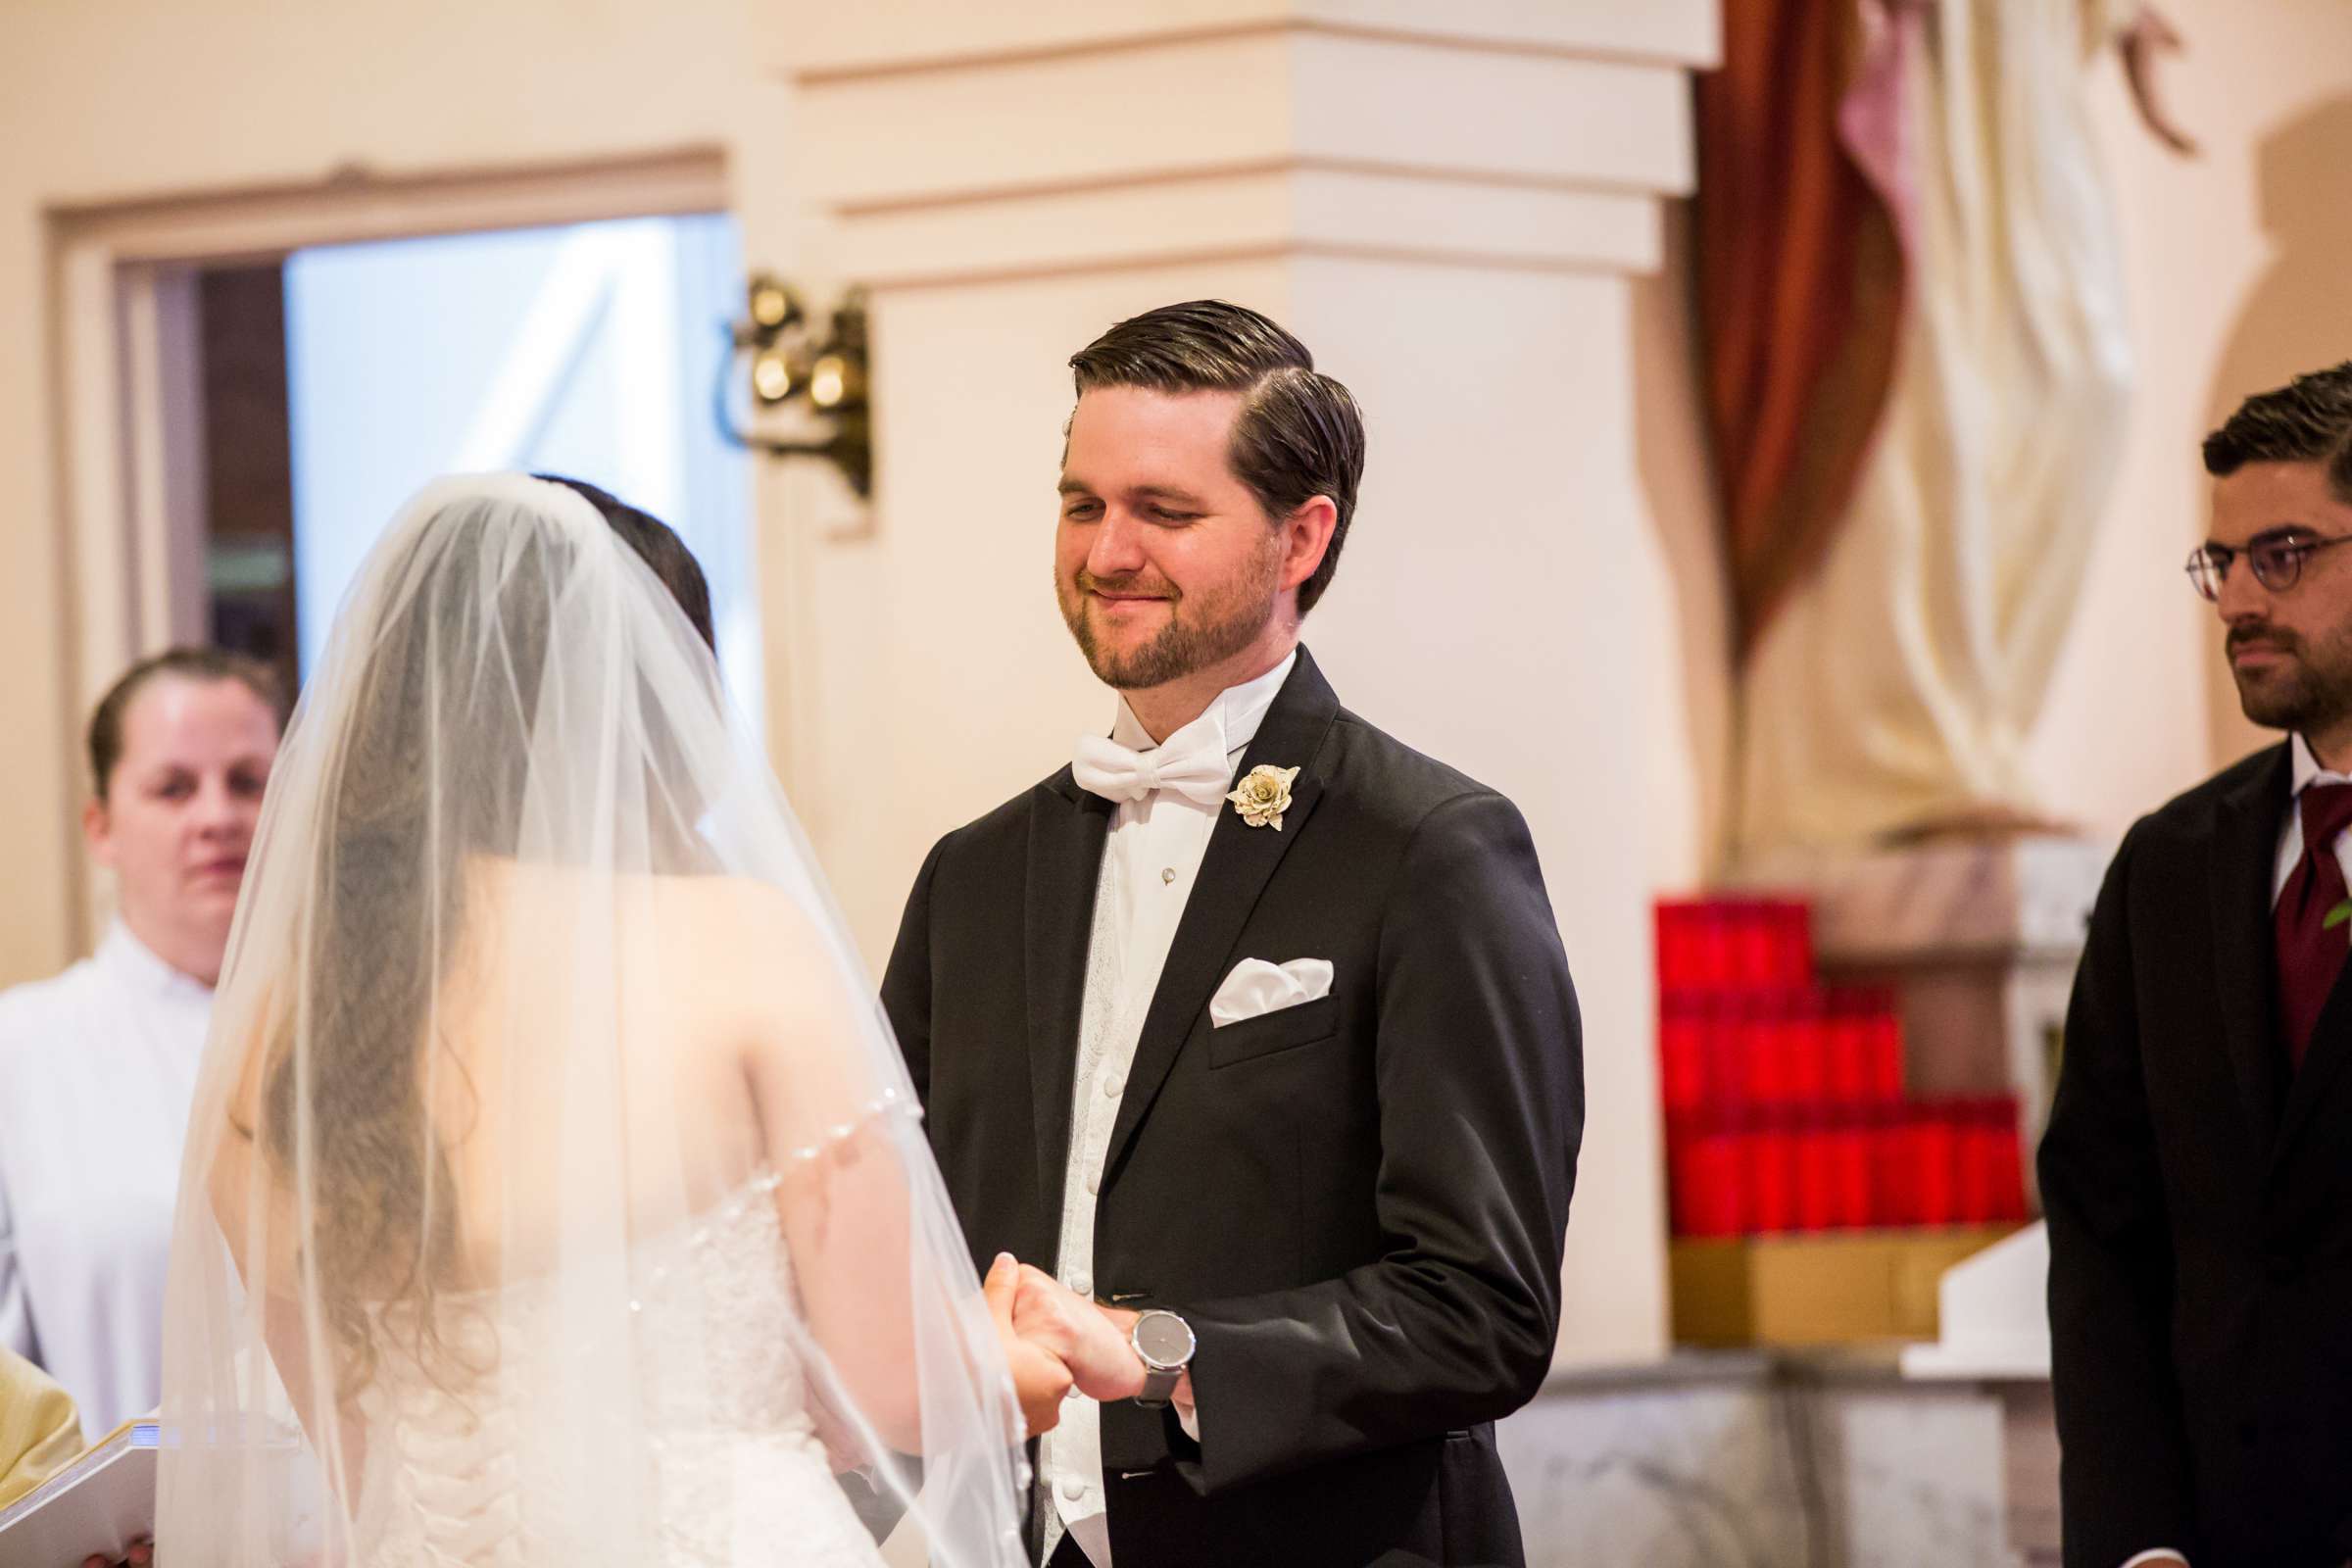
column 386, row 1240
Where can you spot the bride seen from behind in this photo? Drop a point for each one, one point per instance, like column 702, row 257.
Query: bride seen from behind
column 554, row 1191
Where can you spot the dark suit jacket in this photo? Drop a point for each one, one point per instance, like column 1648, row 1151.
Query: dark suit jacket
column 2200, row 1210
column 1357, row 1203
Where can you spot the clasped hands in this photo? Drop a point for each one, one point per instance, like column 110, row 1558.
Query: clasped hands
column 1056, row 1339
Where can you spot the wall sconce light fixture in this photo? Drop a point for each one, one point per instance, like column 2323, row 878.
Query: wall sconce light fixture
column 792, row 367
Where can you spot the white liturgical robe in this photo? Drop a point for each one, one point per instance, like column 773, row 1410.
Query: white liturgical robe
column 97, row 1068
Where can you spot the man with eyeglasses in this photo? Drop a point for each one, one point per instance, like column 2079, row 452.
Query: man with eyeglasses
column 2197, row 1172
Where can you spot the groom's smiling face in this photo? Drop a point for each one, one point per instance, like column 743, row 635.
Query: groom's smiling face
column 1164, row 562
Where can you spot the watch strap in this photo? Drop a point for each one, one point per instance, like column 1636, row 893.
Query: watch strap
column 1159, row 1386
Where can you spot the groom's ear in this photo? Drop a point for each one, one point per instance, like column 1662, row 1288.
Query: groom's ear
column 1306, row 539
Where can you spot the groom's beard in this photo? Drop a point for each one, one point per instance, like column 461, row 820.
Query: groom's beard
column 1203, row 630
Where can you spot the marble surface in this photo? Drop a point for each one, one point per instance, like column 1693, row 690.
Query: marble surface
column 1689, row 1475
column 1762, row 1462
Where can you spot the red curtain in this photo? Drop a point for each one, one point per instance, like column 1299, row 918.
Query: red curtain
column 1800, row 275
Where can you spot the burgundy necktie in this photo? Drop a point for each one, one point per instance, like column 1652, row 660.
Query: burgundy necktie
column 2310, row 950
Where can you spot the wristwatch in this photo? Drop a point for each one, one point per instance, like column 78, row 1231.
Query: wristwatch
column 1164, row 1341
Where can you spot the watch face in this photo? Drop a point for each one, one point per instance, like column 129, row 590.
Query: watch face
column 1163, row 1338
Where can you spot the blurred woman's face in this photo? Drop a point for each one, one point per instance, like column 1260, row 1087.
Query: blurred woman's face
column 180, row 812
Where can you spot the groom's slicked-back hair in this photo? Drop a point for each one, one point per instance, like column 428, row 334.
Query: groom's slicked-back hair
column 1299, row 434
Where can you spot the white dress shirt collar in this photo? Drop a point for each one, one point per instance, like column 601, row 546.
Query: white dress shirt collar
column 123, row 955
column 1235, row 716
column 2306, row 769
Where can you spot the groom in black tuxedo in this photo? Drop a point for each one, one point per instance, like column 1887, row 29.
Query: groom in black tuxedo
column 1252, row 1023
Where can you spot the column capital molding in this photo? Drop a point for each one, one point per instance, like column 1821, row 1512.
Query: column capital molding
column 959, row 145
column 809, row 41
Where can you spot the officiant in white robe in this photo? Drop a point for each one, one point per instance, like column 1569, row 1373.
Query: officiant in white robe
column 98, row 1063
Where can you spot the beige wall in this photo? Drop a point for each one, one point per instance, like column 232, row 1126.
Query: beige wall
column 103, row 101
column 1680, row 585
column 1483, row 614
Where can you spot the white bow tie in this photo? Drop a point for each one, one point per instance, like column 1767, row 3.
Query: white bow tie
column 1200, row 772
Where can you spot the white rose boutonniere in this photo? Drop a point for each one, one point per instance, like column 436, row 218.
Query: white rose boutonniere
column 1263, row 796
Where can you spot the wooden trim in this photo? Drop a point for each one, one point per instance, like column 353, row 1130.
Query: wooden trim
column 95, row 444
column 354, row 204
column 175, row 531
column 163, row 392
column 99, row 579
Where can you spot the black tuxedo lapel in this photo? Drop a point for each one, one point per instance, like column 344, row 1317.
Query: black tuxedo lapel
column 2245, row 852
column 1067, row 827
column 1240, row 862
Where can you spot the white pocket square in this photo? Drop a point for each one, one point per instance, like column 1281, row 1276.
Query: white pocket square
column 1256, row 988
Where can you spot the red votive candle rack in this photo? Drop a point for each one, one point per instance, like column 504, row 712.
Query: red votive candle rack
column 1784, row 1101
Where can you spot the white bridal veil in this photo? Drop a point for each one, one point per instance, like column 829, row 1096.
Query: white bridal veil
column 554, row 1191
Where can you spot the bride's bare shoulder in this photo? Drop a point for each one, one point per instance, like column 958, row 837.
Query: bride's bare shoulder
column 717, row 901
column 735, row 928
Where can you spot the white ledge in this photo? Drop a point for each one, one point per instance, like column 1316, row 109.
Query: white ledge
column 819, row 43
column 1269, row 98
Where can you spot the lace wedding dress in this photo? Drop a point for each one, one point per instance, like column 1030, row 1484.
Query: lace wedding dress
column 746, row 1482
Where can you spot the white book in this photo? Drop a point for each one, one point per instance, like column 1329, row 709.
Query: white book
column 103, row 1503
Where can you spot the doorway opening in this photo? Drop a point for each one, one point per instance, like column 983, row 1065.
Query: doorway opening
column 251, row 383
column 337, row 381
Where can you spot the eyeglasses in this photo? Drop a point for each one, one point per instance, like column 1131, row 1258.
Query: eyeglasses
column 2277, row 561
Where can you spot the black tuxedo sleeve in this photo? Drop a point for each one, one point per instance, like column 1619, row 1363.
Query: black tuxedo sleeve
column 2123, row 1481
column 906, row 982
column 1479, row 1080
